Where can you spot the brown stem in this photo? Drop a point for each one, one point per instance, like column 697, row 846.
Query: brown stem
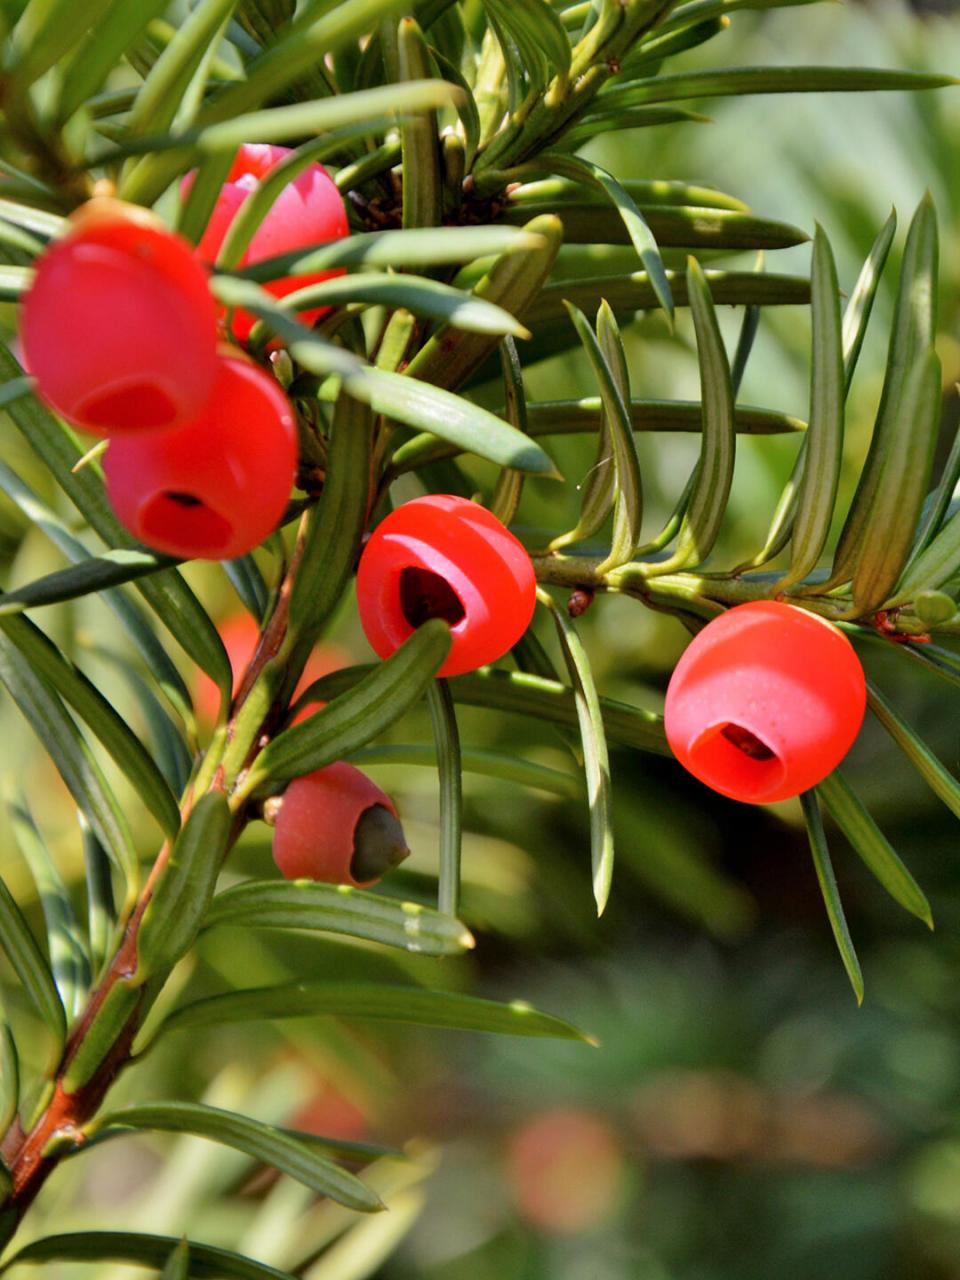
column 274, row 633
column 66, row 1113
column 30, row 1162
column 29, row 1155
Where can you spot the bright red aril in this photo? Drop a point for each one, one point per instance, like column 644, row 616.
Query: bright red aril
column 214, row 488
column 119, row 327
column 766, row 700
column 444, row 557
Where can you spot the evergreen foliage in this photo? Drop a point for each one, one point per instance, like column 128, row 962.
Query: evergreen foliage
column 454, row 130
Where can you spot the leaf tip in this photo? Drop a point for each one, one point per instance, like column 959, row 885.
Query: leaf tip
column 534, row 459
column 695, row 271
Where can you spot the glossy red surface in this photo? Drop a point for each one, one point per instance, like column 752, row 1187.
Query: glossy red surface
column 766, row 701
column 119, row 327
column 442, row 556
column 215, row 487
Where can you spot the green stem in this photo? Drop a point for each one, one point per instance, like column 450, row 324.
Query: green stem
column 704, row 593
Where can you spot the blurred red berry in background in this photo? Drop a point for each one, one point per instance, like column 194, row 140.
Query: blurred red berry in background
column 765, row 702
column 444, row 557
column 330, row 1114
column 565, row 1168
column 308, row 211
column 240, row 634
column 119, row 326
column 214, row 488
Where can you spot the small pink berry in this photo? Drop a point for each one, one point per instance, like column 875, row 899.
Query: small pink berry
column 308, row 211
column 214, row 488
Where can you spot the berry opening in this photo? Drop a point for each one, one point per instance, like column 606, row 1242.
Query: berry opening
column 733, row 759
column 141, row 404
column 180, row 519
column 747, row 742
column 424, row 595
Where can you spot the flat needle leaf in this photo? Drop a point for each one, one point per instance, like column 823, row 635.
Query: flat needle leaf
column 443, row 716
column 831, row 895
column 595, row 756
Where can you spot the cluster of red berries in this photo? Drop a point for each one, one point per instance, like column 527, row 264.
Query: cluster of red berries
column 765, row 702
column 123, row 337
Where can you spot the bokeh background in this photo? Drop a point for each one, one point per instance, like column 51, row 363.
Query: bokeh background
column 741, row 1117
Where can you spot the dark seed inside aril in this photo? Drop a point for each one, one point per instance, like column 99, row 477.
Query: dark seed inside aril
column 378, row 844
column 183, row 499
column 425, row 595
column 747, row 742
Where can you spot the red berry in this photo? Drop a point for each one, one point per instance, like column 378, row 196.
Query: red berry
column 765, row 702
column 214, row 488
column 308, row 211
column 329, row 1113
column 337, row 826
column 444, row 557
column 119, row 327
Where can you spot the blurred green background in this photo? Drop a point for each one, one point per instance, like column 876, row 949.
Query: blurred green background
column 740, row 1118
